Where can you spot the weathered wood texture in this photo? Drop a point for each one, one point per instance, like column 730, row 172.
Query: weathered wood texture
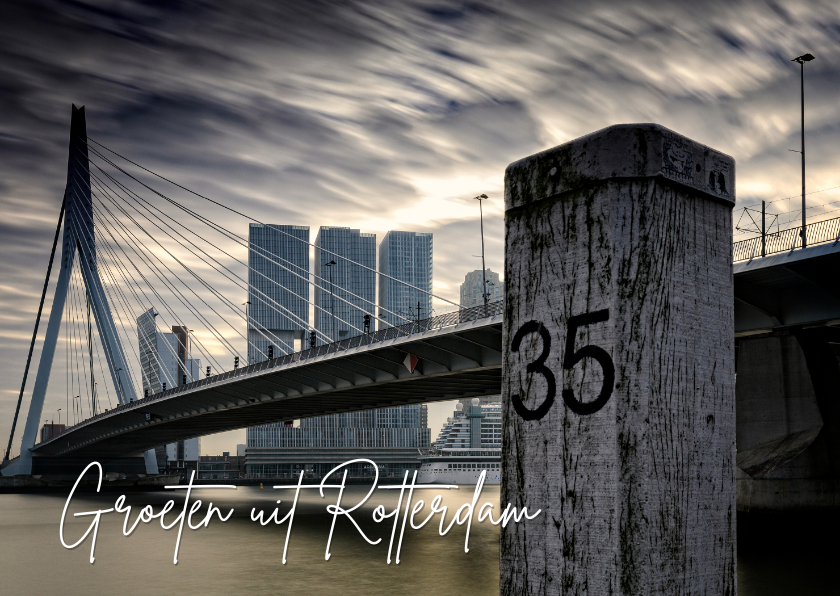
column 638, row 496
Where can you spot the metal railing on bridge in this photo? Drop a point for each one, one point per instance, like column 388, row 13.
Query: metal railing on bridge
column 819, row 232
column 449, row 319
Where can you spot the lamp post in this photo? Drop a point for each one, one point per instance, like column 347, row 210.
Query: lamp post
column 480, row 198
column 802, row 60
column 247, row 306
column 332, row 311
column 59, row 416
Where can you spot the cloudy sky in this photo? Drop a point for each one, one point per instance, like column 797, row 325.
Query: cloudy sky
column 388, row 115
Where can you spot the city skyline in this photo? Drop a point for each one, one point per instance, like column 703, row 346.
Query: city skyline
column 319, row 122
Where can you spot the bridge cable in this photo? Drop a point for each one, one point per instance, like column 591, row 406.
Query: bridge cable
column 112, row 256
column 251, row 269
column 128, row 280
column 246, row 243
column 94, row 150
column 269, row 301
column 116, row 332
column 84, row 255
column 169, row 285
column 199, row 279
column 126, row 306
column 118, row 263
column 120, row 226
column 102, row 265
column 35, row 332
column 104, row 300
column 78, row 333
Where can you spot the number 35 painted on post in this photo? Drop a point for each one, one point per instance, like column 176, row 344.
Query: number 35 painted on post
column 570, row 359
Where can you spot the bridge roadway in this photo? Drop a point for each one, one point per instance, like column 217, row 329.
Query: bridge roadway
column 456, row 360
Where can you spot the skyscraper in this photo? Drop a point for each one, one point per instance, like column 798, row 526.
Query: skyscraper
column 471, row 288
column 407, row 257
column 278, row 288
column 165, row 363
column 164, row 357
column 338, row 313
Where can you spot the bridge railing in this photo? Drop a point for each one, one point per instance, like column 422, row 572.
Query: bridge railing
column 819, row 232
column 449, row 319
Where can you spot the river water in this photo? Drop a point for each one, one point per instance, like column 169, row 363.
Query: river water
column 241, row 557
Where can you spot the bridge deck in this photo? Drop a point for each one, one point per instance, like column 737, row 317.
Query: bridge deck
column 460, row 361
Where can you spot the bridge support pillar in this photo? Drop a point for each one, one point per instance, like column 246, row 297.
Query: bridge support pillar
column 618, row 367
column 788, row 424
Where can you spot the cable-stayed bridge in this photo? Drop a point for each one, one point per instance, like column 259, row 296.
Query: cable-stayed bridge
column 147, row 261
column 141, row 251
column 459, row 355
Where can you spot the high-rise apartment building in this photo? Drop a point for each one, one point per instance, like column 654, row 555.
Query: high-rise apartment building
column 471, row 288
column 278, row 288
column 165, row 360
column 346, row 290
column 406, row 257
column 388, row 436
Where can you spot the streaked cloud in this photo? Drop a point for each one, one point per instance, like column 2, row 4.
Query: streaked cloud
column 386, row 115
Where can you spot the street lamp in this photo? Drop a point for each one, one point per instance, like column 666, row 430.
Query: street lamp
column 247, row 306
column 480, row 198
column 59, row 416
column 802, row 60
column 332, row 310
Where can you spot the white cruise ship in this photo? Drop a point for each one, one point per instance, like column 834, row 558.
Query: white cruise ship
column 469, row 443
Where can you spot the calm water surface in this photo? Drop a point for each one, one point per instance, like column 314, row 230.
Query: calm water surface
column 239, row 556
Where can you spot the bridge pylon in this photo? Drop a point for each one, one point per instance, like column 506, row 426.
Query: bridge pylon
column 79, row 236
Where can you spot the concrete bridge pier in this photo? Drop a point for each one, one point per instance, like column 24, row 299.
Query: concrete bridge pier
column 618, row 367
column 788, row 421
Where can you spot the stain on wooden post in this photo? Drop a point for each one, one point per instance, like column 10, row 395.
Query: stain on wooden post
column 618, row 371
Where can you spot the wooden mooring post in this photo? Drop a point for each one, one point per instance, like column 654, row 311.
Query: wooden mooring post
column 618, row 368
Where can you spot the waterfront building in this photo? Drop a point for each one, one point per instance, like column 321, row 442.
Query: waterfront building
column 224, row 466
column 50, row 430
column 388, row 436
column 471, row 288
column 182, row 456
column 165, row 359
column 407, row 257
column 278, row 288
column 165, row 363
column 346, row 290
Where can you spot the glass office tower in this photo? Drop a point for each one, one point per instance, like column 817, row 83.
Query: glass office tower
column 346, row 290
column 407, row 257
column 471, row 293
column 164, row 357
column 278, row 288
